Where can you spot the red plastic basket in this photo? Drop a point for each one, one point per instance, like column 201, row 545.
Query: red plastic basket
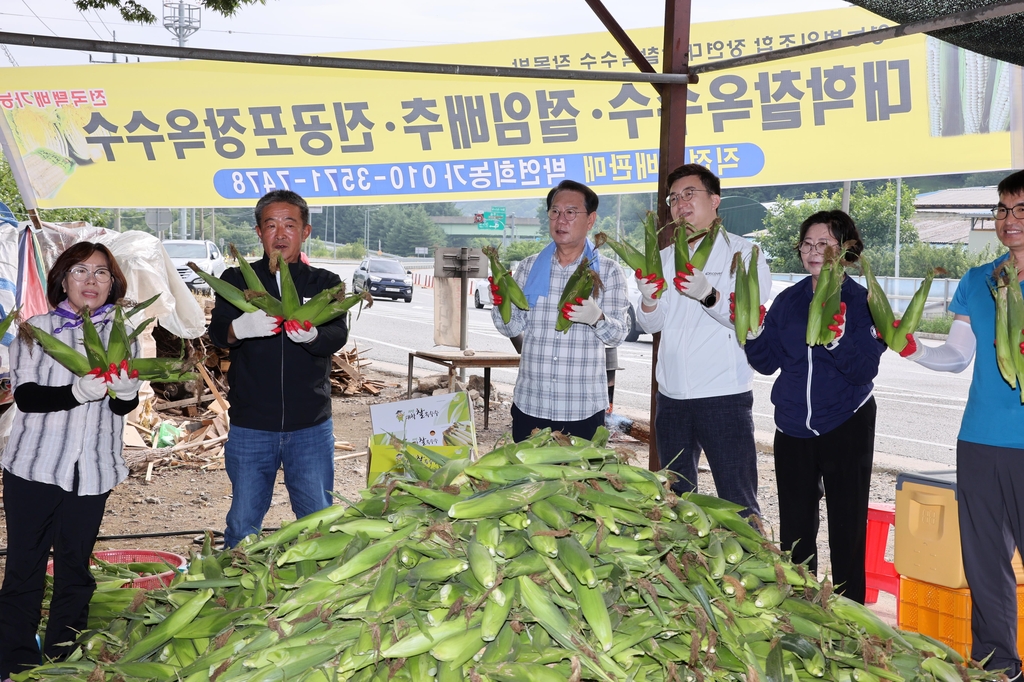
column 129, row 556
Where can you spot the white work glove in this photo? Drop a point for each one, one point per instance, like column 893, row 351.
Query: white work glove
column 584, row 311
column 90, row 387
column 838, row 326
column 123, row 383
column 256, row 324
column 692, row 283
column 300, row 332
column 649, row 287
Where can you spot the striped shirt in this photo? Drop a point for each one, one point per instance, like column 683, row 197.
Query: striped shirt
column 45, row 446
column 562, row 377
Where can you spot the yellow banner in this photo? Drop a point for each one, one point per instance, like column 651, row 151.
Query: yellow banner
column 220, row 134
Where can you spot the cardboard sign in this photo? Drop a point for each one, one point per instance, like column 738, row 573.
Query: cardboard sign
column 441, row 423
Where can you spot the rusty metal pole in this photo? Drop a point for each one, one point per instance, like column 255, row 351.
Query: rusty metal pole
column 676, row 58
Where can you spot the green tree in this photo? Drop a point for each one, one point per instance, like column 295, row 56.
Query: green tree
column 405, row 228
column 916, row 260
column 136, row 12
column 873, row 212
column 10, row 195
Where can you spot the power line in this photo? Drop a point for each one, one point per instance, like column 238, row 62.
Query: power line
column 100, row 17
column 89, row 23
column 25, row 2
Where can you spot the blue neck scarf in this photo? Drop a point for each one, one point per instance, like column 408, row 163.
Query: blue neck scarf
column 539, row 281
column 74, row 320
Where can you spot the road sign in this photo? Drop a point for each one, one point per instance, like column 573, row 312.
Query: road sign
column 493, row 219
column 422, row 250
column 158, row 220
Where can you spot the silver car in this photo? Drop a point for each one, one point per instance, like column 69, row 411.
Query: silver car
column 203, row 253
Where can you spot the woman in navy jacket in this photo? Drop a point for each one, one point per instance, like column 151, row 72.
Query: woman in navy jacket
column 824, row 409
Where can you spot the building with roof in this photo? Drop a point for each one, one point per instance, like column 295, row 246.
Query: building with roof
column 962, row 215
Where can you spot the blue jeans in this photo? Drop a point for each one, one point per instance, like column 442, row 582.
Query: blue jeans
column 723, row 426
column 252, row 459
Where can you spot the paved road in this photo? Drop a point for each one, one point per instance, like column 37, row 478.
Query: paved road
column 918, row 416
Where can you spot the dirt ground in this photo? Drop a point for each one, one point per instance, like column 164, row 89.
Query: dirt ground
column 193, row 500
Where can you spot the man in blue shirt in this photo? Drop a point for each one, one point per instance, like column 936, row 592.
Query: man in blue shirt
column 990, row 445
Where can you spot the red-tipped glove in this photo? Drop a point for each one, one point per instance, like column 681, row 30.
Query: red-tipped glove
column 585, row 311
column 838, row 326
column 913, row 350
column 692, row 283
column 92, row 386
column 123, row 383
column 649, row 286
column 300, row 332
column 496, row 298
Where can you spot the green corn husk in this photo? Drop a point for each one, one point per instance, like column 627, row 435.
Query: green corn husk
column 878, row 304
column 652, row 254
column 754, row 289
column 1010, row 325
column 630, row 255
column 583, row 283
column 508, row 288
column 229, row 292
column 827, row 297
column 700, row 256
column 289, row 295
column 912, row 316
column 602, row 609
column 742, row 320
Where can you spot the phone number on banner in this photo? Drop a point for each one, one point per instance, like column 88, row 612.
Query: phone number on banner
column 484, row 175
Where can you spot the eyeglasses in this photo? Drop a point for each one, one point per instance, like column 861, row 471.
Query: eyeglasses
column 569, row 214
column 685, row 195
column 80, row 273
column 817, row 247
column 1000, row 212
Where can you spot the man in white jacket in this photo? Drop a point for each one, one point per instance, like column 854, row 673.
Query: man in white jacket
column 705, row 395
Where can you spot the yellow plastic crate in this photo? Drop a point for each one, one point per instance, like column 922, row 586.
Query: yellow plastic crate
column 927, row 541
column 945, row 613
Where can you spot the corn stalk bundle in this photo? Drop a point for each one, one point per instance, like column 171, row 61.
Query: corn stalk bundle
column 1009, row 325
column 508, row 288
column 895, row 333
column 748, row 296
column 634, row 259
column 325, row 306
column 116, row 355
column 583, row 283
column 540, row 561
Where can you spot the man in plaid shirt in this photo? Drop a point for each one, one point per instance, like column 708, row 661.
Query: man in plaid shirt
column 562, row 380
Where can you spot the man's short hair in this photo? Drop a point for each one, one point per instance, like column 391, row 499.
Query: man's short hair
column 1012, row 184
column 590, row 199
column 707, row 178
column 282, row 196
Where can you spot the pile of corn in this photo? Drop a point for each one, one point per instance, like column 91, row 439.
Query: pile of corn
column 538, row 562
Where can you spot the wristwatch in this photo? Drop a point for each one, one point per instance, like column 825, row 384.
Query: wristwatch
column 710, row 299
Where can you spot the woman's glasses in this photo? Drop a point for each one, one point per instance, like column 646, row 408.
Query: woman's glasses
column 80, row 273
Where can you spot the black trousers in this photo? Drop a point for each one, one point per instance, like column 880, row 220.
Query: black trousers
column 40, row 516
column 990, row 507
column 836, row 465
column 523, row 425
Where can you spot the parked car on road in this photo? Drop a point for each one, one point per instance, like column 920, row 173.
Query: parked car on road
column 203, row 253
column 383, row 278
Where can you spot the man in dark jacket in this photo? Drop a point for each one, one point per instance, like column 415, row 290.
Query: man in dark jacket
column 280, row 389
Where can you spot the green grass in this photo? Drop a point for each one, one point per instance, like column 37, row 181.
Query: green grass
column 936, row 325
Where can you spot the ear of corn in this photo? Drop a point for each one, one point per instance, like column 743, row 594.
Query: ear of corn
column 1009, row 332
column 878, row 303
column 583, row 283
column 94, row 350
column 252, row 280
column 754, row 289
column 912, row 317
column 826, row 299
column 508, row 288
column 742, row 320
column 1004, row 357
column 229, row 292
column 630, row 255
column 700, row 256
column 289, row 295
column 652, row 254
column 651, row 611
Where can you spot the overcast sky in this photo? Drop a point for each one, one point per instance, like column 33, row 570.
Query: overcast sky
column 326, row 26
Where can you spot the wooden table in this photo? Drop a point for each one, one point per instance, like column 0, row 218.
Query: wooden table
column 456, row 359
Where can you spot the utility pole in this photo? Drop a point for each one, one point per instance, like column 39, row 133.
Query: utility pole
column 182, row 20
column 899, row 192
